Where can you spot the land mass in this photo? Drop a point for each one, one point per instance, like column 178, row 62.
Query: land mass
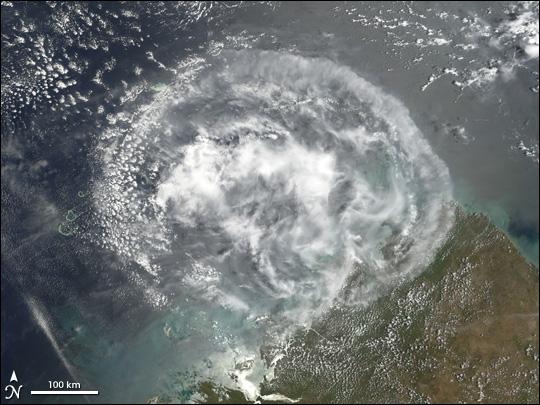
column 465, row 330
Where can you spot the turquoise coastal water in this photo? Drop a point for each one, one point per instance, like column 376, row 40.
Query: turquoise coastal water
column 526, row 243
column 229, row 204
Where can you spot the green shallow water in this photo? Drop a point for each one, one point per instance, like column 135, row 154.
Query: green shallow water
column 526, row 243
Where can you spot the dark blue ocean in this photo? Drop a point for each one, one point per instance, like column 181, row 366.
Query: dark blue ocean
column 76, row 310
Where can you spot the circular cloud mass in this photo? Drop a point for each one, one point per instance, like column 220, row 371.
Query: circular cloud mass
column 260, row 181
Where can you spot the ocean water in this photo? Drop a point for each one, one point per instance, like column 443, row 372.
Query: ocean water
column 292, row 147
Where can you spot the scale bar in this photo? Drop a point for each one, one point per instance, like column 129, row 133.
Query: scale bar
column 60, row 392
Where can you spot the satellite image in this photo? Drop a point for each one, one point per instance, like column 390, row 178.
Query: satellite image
column 270, row 202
